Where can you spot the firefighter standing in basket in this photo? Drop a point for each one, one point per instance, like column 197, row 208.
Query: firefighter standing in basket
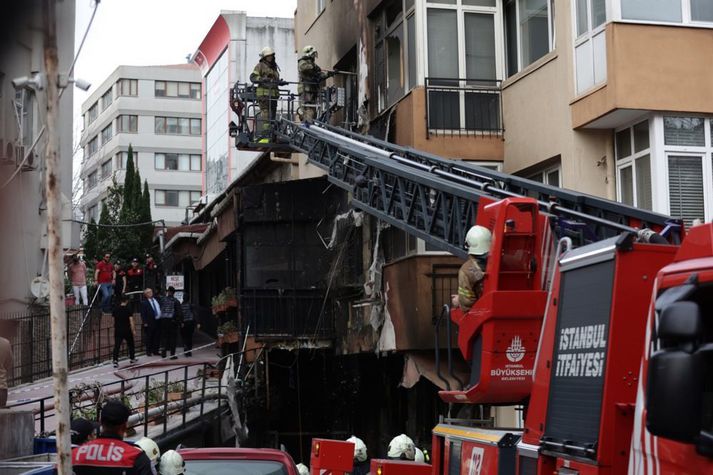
column 266, row 75
column 311, row 78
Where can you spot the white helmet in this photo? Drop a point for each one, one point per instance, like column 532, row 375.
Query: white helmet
column 172, row 464
column 309, row 51
column 402, row 447
column 420, row 458
column 267, row 51
column 150, row 448
column 359, row 448
column 478, row 240
column 301, row 469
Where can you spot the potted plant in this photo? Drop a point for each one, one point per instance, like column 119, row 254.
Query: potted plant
column 218, row 303
column 228, row 332
column 231, row 299
column 176, row 390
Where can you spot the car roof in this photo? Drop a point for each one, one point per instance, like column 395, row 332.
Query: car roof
column 224, row 453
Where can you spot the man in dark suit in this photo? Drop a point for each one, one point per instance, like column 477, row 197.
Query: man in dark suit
column 150, row 313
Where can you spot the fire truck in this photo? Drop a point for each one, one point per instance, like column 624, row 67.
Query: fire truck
column 595, row 316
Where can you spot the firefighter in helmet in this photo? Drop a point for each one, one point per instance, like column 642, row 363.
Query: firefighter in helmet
column 361, row 464
column 402, row 447
column 311, row 78
column 471, row 273
column 266, row 75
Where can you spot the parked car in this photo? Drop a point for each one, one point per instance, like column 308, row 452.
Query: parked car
column 227, row 461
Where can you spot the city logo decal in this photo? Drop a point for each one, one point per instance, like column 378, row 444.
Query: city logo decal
column 515, row 352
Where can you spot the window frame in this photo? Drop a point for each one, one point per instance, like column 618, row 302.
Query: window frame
column 106, row 170
column 178, row 84
column 107, row 136
column 132, row 84
column 119, row 124
column 589, row 36
column 631, row 160
column 187, row 194
column 550, row 35
column 192, row 158
column 686, row 20
column 166, row 121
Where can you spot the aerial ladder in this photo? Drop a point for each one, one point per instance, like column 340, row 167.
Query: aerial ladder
column 561, row 324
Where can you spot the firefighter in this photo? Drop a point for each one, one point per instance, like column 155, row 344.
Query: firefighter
column 302, row 469
column 109, row 454
column 402, row 447
column 361, row 464
column 471, row 273
column 151, row 450
column 421, row 456
column 266, row 75
column 311, row 77
column 172, row 464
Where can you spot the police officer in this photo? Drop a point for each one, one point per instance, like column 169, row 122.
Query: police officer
column 109, row 454
column 471, row 273
column 266, row 75
column 311, row 77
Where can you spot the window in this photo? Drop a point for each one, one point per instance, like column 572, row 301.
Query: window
column 107, row 99
column 529, row 32
column 92, row 147
column 633, row 164
column 93, row 113
column 127, row 124
column 106, row 169
column 182, row 198
column 92, row 180
column 177, row 126
column 590, row 43
column 394, row 51
column 188, row 90
column 548, row 176
column 174, row 161
column 127, row 87
column 92, row 214
column 123, row 157
column 688, row 153
column 667, row 11
column 106, row 134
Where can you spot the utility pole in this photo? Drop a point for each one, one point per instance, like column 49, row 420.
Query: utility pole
column 58, row 317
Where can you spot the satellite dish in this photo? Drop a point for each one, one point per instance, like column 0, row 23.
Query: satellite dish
column 40, row 288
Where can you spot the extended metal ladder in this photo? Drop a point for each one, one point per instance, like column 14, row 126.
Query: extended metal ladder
column 436, row 199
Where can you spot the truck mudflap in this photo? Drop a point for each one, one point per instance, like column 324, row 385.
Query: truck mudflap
column 468, row 450
column 499, row 337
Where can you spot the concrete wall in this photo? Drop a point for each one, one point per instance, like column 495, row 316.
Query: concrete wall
column 334, row 33
column 652, row 67
column 18, row 441
column 538, row 121
column 145, row 142
column 22, row 205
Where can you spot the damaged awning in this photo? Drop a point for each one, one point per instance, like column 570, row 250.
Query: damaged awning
column 417, row 364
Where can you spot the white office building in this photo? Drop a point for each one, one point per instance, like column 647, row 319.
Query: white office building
column 156, row 110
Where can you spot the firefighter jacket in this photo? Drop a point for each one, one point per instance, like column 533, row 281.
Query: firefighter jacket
column 109, row 455
column 267, row 77
column 470, row 283
column 311, row 75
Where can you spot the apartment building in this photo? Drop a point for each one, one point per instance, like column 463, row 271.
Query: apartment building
column 157, row 111
column 23, row 102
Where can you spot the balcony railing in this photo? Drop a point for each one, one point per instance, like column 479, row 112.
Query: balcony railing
column 463, row 107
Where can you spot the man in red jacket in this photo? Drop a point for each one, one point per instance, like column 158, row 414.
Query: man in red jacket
column 109, row 454
column 104, row 277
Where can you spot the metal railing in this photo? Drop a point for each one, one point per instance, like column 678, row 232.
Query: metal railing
column 288, row 313
column 188, row 391
column 31, row 340
column 463, row 107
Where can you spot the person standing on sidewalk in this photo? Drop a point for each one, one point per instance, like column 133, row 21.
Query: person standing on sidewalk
column 150, row 313
column 189, row 325
column 135, row 283
column 77, row 270
column 104, row 277
column 5, row 368
column 170, row 317
column 123, row 329
column 119, row 282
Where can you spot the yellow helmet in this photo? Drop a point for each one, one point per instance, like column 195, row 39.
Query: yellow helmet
column 267, row 51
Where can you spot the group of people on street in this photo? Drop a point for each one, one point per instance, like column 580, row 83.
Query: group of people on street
column 266, row 77
column 106, row 452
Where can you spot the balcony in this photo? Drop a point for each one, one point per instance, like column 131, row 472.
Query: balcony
column 649, row 68
column 452, row 118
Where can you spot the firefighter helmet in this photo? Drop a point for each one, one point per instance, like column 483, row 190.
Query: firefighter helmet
column 301, row 469
column 478, row 240
column 419, row 457
column 309, row 51
column 267, row 51
column 402, row 447
column 172, row 464
column 150, row 448
column 359, row 448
